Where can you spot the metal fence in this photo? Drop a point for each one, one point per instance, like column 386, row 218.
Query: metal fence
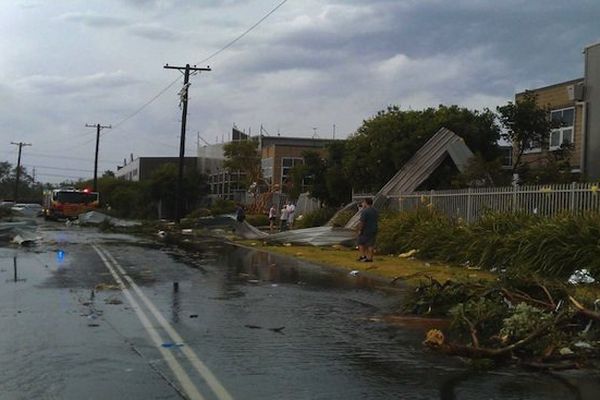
column 470, row 204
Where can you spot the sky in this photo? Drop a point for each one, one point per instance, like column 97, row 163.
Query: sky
column 310, row 65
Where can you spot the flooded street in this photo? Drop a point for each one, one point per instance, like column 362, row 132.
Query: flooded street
column 223, row 322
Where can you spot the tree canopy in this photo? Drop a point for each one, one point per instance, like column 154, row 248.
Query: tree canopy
column 385, row 142
column 525, row 125
column 243, row 156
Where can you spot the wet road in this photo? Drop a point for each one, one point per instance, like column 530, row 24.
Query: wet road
column 219, row 323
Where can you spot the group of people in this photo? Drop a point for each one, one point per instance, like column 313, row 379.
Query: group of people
column 286, row 217
column 367, row 227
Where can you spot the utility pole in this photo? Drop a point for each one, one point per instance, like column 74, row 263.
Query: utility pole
column 184, row 102
column 18, row 172
column 98, row 129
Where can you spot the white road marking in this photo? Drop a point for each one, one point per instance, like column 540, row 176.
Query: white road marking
column 183, row 378
column 200, row 367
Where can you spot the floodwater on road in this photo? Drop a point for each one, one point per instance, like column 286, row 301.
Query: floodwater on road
column 265, row 326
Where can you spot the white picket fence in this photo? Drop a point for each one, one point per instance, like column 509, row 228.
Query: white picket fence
column 470, row 204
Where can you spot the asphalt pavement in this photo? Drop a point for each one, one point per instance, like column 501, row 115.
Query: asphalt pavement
column 89, row 315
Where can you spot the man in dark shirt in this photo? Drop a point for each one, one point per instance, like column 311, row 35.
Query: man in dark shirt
column 367, row 230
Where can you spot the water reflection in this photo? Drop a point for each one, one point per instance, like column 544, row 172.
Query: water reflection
column 245, row 265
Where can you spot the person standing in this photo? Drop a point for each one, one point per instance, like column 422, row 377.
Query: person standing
column 367, row 230
column 291, row 209
column 240, row 214
column 283, row 219
column 272, row 217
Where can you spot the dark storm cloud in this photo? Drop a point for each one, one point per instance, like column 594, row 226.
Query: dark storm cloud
column 518, row 32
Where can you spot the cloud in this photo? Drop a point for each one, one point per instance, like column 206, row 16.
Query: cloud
column 66, row 85
column 154, row 32
column 94, row 20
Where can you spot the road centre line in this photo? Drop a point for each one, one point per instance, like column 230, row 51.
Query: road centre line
column 183, row 378
column 201, row 368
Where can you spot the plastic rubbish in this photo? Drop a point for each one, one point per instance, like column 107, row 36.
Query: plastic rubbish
column 408, row 254
column 170, row 345
column 581, row 276
column 354, row 272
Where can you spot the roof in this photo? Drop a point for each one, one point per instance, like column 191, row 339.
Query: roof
column 571, row 82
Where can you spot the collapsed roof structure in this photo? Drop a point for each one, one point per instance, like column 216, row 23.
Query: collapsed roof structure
column 444, row 143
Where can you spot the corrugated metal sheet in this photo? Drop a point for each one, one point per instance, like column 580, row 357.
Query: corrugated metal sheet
column 425, row 161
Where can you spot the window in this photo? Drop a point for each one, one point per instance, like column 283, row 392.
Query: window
column 287, row 163
column 563, row 135
column 532, row 146
column 267, row 169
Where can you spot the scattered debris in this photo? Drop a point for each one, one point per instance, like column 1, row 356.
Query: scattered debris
column 97, row 218
column 106, row 286
column 193, row 315
column 186, row 232
column 354, row 272
column 252, row 326
column 581, row 276
column 113, row 301
column 408, row 254
column 170, row 345
column 277, row 330
column 93, row 325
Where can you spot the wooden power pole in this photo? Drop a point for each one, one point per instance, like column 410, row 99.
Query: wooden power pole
column 98, row 129
column 18, row 172
column 184, row 102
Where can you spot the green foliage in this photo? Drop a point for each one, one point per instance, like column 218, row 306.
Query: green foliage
column 243, row 156
column 426, row 229
column 485, row 314
column 325, row 176
column 199, row 213
column 316, row 218
column 524, row 122
column 385, row 142
column 342, row 218
column 522, row 244
column 257, row 219
column 222, row 206
column 29, row 191
column 433, row 298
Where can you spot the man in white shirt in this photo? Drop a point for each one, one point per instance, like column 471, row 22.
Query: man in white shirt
column 291, row 209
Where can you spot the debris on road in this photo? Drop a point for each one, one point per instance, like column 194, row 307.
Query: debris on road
column 97, row 218
column 19, row 232
column 113, row 301
column 106, row 286
column 170, row 345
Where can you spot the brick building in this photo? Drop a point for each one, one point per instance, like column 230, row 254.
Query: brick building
column 576, row 104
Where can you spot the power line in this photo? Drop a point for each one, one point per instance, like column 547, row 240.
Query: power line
column 53, row 156
column 62, row 176
column 228, row 45
column 170, row 85
column 58, row 168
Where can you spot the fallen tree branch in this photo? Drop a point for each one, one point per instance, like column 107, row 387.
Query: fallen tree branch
column 585, row 311
column 484, row 352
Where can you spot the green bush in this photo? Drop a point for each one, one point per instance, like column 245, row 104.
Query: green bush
column 199, row 213
column 223, row 207
column 342, row 218
column 316, row 218
column 554, row 246
column 257, row 219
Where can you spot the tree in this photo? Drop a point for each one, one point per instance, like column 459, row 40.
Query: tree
column 525, row 125
column 108, row 174
column 385, row 142
column 325, row 177
column 243, row 156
